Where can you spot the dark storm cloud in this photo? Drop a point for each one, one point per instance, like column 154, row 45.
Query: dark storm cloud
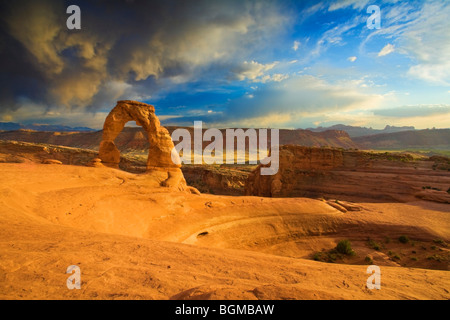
column 125, row 49
column 18, row 74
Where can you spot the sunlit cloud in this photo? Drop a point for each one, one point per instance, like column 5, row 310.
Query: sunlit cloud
column 387, row 49
column 290, row 100
column 252, row 70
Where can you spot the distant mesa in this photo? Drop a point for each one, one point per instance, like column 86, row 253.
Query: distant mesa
column 362, row 131
column 159, row 160
column 10, row 126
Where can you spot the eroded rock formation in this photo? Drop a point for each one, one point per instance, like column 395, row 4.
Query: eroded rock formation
column 159, row 161
column 352, row 175
column 294, row 161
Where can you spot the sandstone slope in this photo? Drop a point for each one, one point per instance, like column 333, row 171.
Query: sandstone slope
column 134, row 239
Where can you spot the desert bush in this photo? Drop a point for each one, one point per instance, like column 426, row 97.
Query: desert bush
column 368, row 260
column 317, row 256
column 329, row 256
column 345, row 247
column 440, row 242
column 436, row 257
column 374, row 245
column 396, row 256
column 403, row 239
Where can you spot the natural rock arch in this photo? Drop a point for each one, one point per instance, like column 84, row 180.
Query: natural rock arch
column 161, row 146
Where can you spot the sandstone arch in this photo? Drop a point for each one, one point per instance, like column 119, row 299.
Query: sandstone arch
column 161, row 146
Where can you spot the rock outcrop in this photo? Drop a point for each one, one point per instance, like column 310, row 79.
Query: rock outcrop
column 51, row 161
column 294, row 160
column 225, row 180
column 20, row 152
column 96, row 162
column 434, row 195
column 159, row 162
column 351, row 175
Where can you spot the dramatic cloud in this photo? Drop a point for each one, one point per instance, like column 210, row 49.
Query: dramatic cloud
column 287, row 102
column 229, row 63
column 124, row 49
column 252, row 70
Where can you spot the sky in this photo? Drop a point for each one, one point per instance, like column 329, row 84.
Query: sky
column 277, row 64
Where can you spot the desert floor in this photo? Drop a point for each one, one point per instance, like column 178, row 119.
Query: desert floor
column 135, row 240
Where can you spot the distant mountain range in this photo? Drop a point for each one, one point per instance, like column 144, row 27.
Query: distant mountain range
column 8, row 126
column 418, row 139
column 351, row 130
column 134, row 139
column 362, row 131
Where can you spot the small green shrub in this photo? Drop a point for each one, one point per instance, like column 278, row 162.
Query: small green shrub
column 317, row 256
column 436, row 257
column 403, row 239
column 368, row 260
column 440, row 242
column 396, row 257
column 329, row 256
column 374, row 245
column 332, row 256
column 414, row 258
column 345, row 247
